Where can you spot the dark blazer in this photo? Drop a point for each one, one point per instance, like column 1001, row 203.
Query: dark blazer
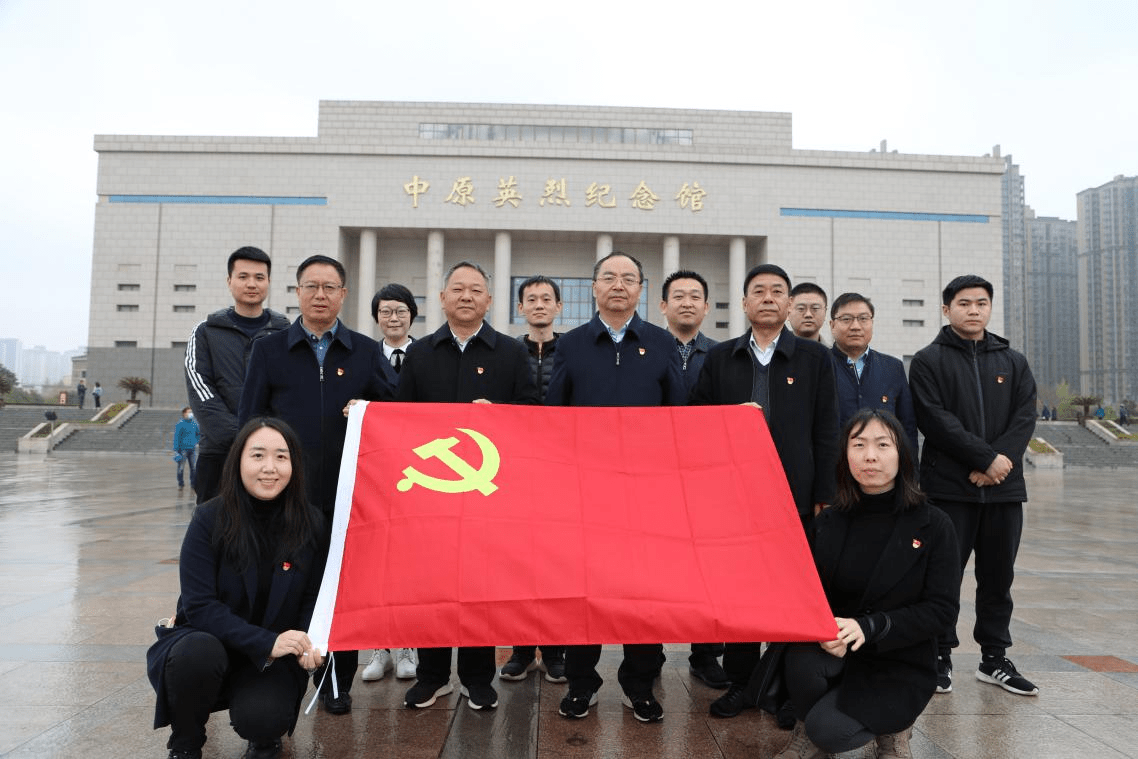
column 973, row 399
column 389, row 372
column 286, row 381
column 802, row 412
column 914, row 591
column 691, row 368
column 218, row 599
column 882, row 385
column 589, row 369
column 493, row 366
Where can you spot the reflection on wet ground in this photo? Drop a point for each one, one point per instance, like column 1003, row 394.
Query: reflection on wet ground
column 88, row 544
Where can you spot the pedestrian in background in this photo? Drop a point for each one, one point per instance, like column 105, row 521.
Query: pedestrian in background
column 186, row 436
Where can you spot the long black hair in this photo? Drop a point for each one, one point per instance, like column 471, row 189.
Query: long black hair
column 907, row 485
column 296, row 521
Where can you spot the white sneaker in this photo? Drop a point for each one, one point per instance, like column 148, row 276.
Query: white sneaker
column 406, row 663
column 380, row 663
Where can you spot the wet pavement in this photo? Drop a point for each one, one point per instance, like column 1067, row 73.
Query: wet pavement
column 88, row 547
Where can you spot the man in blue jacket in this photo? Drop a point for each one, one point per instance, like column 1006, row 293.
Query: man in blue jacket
column 306, row 375
column 867, row 378
column 975, row 399
column 616, row 359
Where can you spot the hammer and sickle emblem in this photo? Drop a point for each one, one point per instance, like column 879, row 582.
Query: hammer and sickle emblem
column 481, row 479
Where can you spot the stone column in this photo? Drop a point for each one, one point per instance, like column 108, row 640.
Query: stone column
column 736, row 270
column 500, row 311
column 365, row 282
column 433, row 311
column 671, row 255
column 604, row 246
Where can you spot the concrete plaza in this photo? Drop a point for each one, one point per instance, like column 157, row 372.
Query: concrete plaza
column 88, row 563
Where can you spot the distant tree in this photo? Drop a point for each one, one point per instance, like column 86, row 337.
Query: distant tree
column 134, row 386
column 7, row 382
column 1086, row 401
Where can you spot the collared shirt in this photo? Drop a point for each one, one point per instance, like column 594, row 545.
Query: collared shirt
column 617, row 335
column 463, row 343
column 388, row 350
column 859, row 365
column 763, row 356
column 320, row 343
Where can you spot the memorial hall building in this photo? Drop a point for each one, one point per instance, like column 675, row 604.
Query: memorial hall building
column 399, row 192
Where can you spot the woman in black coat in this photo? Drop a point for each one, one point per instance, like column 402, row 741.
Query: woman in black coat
column 889, row 565
column 250, row 571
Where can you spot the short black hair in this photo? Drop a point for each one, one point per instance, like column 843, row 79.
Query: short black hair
column 394, row 291
column 683, row 274
column 809, row 287
column 614, row 254
column 755, row 271
column 322, row 259
column 963, row 282
column 847, row 298
column 539, row 279
column 466, row 265
column 249, row 253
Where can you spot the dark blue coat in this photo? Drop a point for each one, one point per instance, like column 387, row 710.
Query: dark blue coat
column 589, row 369
column 286, row 381
column 882, row 386
column 493, row 366
column 218, row 599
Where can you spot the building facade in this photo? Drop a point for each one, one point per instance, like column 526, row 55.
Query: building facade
column 1051, row 341
column 401, row 191
column 1108, row 275
column 1013, row 215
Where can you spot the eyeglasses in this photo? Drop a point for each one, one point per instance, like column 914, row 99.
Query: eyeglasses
column 387, row 313
column 814, row 309
column 629, row 280
column 310, row 288
column 847, row 319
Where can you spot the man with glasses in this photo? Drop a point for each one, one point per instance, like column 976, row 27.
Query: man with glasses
column 867, row 378
column 616, row 359
column 306, row 375
column 807, row 311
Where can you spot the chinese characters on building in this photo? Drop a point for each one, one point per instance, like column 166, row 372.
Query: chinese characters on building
column 556, row 192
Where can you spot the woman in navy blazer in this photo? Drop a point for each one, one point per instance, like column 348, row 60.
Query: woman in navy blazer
column 250, row 571
column 888, row 562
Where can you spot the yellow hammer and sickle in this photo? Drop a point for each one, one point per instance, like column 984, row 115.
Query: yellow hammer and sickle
column 481, row 479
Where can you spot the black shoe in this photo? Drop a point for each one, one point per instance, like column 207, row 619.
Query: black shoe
column 943, row 673
column 268, row 750
column 1003, row 673
column 710, row 673
column 731, row 703
column 421, row 694
column 785, row 716
column 178, row 754
column 555, row 669
column 479, row 697
column 518, row 667
column 341, row 704
column 576, row 704
column 644, row 706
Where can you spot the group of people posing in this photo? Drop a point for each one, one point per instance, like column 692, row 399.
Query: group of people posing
column 889, row 542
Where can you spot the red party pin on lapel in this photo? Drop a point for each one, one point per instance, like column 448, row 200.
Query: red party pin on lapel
column 916, row 542
column 480, row 370
column 642, row 351
column 340, row 372
column 286, row 566
column 790, row 380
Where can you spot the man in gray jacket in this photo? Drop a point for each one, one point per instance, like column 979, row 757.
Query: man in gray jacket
column 216, row 357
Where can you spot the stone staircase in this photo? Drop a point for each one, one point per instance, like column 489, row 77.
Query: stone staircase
column 148, row 431
column 1081, row 447
column 17, row 421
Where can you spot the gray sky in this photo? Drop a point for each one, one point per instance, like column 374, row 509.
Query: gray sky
column 1054, row 89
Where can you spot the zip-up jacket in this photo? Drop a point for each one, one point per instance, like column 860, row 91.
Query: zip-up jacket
column 286, row 381
column 541, row 361
column 973, row 400
column 216, row 357
column 882, row 385
column 691, row 367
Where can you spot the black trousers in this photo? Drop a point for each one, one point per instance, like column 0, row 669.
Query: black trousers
column 992, row 531
column 201, row 677
column 548, row 653
column 812, row 676
column 705, row 652
column 475, row 665
column 209, row 475
column 642, row 661
column 739, row 661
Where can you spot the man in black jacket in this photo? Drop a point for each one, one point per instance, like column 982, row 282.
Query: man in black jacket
column 792, row 380
column 616, row 359
column 216, row 358
column 975, row 398
column 464, row 361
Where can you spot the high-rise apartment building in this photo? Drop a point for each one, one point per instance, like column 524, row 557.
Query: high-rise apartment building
column 1051, row 299
column 1108, row 299
column 1014, row 258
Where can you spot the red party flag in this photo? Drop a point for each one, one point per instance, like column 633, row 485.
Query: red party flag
column 479, row 525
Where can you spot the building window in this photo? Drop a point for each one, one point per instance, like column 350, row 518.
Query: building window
column 721, row 305
column 126, row 343
column 577, row 304
column 913, row 322
column 122, row 307
column 125, row 287
column 292, row 310
column 290, row 289
column 184, row 309
column 421, row 307
column 912, row 302
column 722, row 325
column 185, row 288
column 179, row 344
column 555, row 133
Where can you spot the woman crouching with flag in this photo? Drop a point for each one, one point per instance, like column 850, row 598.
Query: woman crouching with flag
column 250, row 570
